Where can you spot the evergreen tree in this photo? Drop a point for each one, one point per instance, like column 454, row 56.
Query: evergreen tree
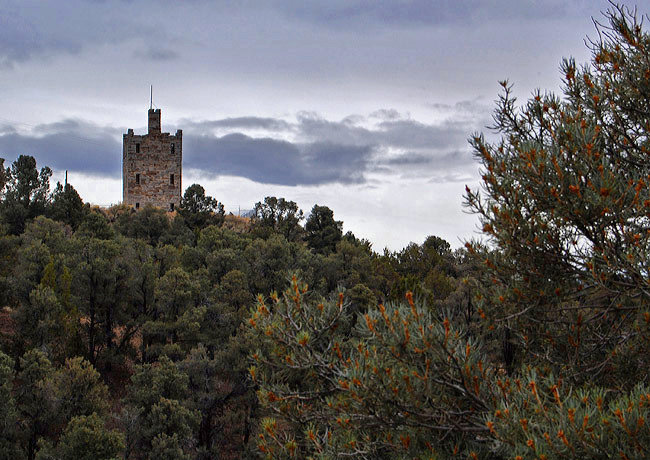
column 565, row 209
column 200, row 210
column 322, row 232
column 67, row 206
column 9, row 426
column 3, row 176
column 277, row 215
column 26, row 194
column 161, row 420
column 85, row 438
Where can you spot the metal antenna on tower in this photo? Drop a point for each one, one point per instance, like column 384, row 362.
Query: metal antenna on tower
column 150, row 97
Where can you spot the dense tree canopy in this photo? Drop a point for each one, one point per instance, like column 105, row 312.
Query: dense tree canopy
column 123, row 331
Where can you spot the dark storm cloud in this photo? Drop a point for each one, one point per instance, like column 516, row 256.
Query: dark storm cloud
column 66, row 145
column 273, row 161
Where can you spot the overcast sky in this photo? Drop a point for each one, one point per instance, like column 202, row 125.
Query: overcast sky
column 364, row 106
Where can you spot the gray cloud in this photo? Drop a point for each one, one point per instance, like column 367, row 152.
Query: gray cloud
column 275, row 161
column 270, row 124
column 397, row 132
column 70, row 144
column 157, row 54
column 32, row 28
column 367, row 13
column 308, row 151
column 20, row 38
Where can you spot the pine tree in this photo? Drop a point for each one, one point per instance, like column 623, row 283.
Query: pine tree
column 565, row 209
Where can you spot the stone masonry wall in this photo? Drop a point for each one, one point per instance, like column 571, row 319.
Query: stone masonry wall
column 160, row 155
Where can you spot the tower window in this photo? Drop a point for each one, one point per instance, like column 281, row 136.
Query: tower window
column 171, row 206
column 137, row 148
column 171, row 179
column 137, row 179
column 172, row 148
column 137, row 206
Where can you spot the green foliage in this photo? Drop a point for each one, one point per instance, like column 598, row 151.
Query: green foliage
column 4, row 174
column 165, row 447
column 178, row 234
column 322, row 232
column 39, row 321
column 277, row 215
column 406, row 382
column 542, row 417
column 26, row 194
column 85, row 438
column 148, row 224
column 8, row 414
column 565, row 204
column 161, row 419
column 200, row 210
column 565, row 207
column 35, row 401
column 95, row 225
column 67, row 206
column 101, row 279
column 80, row 391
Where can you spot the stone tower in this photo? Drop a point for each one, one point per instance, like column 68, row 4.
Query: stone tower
column 152, row 165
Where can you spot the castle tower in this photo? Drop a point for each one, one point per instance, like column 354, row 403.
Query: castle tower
column 152, row 165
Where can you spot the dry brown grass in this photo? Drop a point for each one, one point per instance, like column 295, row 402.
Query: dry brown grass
column 237, row 224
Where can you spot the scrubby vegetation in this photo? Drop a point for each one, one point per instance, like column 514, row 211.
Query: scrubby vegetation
column 198, row 335
column 123, row 332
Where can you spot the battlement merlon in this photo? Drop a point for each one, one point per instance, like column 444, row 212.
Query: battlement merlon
column 154, row 121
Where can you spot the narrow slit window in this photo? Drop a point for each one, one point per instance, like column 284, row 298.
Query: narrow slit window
column 137, row 179
column 171, row 206
column 171, row 179
column 137, row 148
column 137, row 206
column 172, row 148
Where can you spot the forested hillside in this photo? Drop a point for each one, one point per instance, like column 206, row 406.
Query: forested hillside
column 123, row 332
column 198, row 335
